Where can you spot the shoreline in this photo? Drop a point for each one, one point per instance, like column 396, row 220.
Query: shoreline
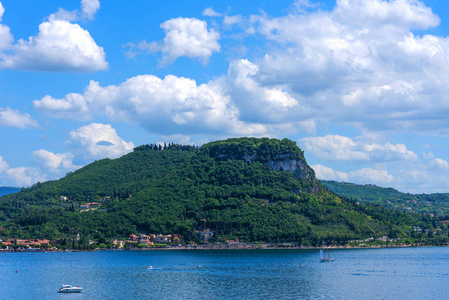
column 226, row 247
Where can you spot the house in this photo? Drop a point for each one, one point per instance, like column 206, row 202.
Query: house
column 176, row 238
column 133, row 238
column 163, row 239
column 204, row 235
column 63, row 198
column 118, row 243
column 88, row 205
column 145, row 240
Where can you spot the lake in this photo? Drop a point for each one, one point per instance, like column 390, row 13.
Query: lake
column 401, row 273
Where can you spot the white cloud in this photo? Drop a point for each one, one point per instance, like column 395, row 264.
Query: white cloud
column 55, row 162
column 23, row 176
column 258, row 103
column 6, row 37
column 210, row 12
column 188, row 37
column 439, row 163
column 59, row 46
column 73, row 106
column 428, row 155
column 369, row 175
column 172, row 105
column 407, row 14
column 96, row 141
column 333, row 147
column 13, row 118
column 336, row 147
column 2, row 11
column 326, row 173
column 143, row 46
column 90, row 8
column 411, row 178
column 3, row 165
column 361, row 64
column 362, row 176
column 389, row 152
column 231, row 20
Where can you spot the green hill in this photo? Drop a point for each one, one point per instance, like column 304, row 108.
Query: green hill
column 437, row 204
column 247, row 188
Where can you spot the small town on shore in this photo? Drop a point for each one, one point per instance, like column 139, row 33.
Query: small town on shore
column 175, row 241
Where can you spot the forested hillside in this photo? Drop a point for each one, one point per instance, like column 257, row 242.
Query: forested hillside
column 437, row 204
column 247, row 188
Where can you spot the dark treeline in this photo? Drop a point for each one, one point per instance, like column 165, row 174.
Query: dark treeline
column 169, row 146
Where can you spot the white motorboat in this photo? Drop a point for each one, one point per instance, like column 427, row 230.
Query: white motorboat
column 70, row 289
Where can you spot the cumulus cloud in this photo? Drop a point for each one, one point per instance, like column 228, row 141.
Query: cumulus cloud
column 96, row 141
column 332, row 67
column 361, row 64
column 234, row 104
column 362, row 176
column 183, row 37
column 132, row 49
column 326, row 173
column 59, row 46
column 177, row 105
column 210, row 12
column 3, row 165
column 407, row 14
column 439, row 163
column 371, row 176
column 13, row 118
column 55, row 162
column 336, row 147
column 258, row 103
column 6, row 37
column 188, row 37
column 231, row 20
column 88, row 10
column 406, row 176
column 24, row 176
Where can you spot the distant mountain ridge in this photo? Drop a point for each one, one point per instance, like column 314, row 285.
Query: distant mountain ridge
column 436, row 204
column 6, row 190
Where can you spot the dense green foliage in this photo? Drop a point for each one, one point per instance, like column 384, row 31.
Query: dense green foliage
column 437, row 204
column 172, row 189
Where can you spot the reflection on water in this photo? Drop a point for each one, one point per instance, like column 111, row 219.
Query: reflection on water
column 417, row 273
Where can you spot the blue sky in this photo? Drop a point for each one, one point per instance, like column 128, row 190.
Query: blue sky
column 362, row 86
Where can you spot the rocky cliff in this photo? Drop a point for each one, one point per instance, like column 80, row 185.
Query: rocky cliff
column 280, row 155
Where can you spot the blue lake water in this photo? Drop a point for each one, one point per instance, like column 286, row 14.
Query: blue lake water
column 407, row 273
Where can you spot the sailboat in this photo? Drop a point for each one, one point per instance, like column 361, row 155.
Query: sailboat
column 323, row 257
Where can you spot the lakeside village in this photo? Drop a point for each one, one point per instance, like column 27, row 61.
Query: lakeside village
column 205, row 239
column 141, row 242
column 175, row 241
